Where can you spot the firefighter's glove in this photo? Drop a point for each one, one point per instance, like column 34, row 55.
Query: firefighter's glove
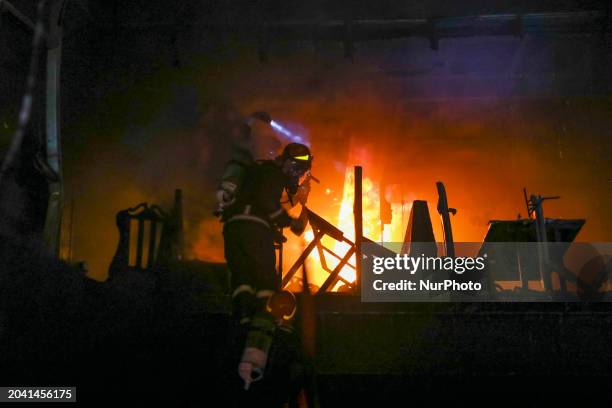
column 225, row 195
column 299, row 224
column 303, row 190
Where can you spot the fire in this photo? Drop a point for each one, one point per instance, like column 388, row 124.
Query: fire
column 346, row 219
column 371, row 227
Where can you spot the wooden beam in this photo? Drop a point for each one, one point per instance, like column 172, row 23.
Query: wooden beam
column 358, row 214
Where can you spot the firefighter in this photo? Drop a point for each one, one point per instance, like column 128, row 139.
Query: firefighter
column 253, row 216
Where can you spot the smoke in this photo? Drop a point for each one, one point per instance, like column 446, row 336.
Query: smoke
column 171, row 130
column 207, row 245
column 142, row 154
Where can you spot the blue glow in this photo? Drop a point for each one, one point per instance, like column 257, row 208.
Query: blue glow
column 288, row 135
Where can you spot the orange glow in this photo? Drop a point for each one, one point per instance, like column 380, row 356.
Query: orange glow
column 484, row 150
column 371, row 226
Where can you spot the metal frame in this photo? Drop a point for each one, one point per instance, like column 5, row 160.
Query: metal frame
column 322, row 228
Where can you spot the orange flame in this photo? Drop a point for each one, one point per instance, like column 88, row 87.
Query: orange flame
column 371, row 227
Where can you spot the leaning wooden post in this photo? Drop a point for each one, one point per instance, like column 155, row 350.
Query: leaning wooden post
column 358, row 213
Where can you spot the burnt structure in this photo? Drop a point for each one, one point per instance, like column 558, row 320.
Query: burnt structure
column 160, row 322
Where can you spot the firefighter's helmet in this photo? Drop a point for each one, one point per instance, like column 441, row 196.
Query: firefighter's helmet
column 296, row 159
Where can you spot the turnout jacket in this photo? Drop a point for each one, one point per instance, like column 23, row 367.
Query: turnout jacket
column 259, row 198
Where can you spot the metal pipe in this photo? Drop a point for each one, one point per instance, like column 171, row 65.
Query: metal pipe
column 53, row 221
column 543, row 256
column 28, row 97
column 515, row 24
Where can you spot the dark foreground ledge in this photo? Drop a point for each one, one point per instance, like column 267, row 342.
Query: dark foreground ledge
column 124, row 342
